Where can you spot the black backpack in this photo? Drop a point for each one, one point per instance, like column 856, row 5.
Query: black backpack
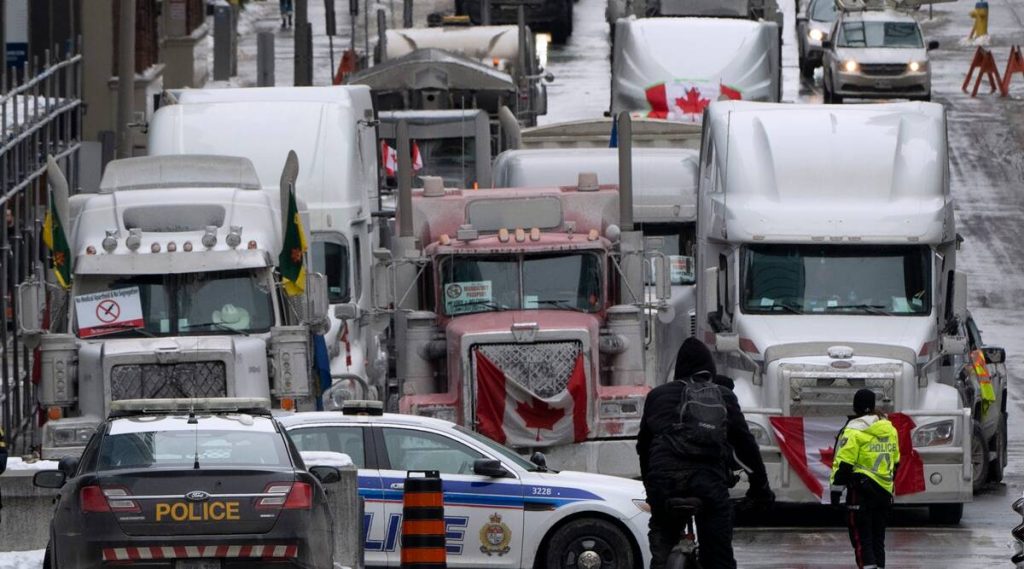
column 701, row 429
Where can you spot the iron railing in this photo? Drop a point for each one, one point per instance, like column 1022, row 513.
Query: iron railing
column 41, row 115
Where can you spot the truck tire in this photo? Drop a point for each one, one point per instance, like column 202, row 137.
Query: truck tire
column 589, row 536
column 946, row 514
column 995, row 467
column 979, row 458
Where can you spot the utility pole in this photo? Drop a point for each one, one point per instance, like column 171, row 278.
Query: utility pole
column 125, row 76
column 3, row 45
column 303, row 45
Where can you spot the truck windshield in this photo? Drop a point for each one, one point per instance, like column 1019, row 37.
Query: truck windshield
column 881, row 34
column 453, row 159
column 837, row 279
column 678, row 241
column 480, row 283
column 215, row 302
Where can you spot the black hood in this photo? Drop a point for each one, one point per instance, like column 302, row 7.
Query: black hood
column 693, row 357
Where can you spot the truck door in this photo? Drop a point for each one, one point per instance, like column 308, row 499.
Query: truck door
column 483, row 516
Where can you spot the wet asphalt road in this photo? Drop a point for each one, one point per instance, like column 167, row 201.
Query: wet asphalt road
column 987, row 179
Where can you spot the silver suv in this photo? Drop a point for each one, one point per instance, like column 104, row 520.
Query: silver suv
column 876, row 54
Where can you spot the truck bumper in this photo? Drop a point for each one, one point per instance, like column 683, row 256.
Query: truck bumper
column 614, row 457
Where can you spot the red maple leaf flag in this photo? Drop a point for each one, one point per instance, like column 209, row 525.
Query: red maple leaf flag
column 509, row 413
column 683, row 100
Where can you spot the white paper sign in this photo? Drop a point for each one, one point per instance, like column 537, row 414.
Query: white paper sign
column 110, row 311
column 460, row 297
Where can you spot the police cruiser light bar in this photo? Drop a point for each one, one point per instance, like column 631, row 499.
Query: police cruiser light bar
column 136, row 406
column 363, row 407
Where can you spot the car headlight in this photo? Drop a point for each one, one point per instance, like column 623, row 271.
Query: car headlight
column 917, row 66
column 643, row 505
column 935, row 434
column 760, row 434
column 816, row 35
column 850, row 66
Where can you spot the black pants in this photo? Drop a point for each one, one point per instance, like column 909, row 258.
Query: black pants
column 869, row 505
column 714, row 522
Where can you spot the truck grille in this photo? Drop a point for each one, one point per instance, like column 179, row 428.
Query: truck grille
column 814, row 393
column 543, row 368
column 883, row 69
column 165, row 381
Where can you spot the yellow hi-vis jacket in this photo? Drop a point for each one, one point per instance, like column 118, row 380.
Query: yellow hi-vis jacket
column 870, row 445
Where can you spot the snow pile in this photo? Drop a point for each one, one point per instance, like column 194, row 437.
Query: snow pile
column 326, row 458
column 15, row 463
column 982, row 41
column 21, row 559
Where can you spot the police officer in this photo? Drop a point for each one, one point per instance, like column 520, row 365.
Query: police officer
column 867, row 454
column 666, row 474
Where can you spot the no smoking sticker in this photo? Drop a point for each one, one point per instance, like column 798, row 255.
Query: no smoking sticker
column 107, row 312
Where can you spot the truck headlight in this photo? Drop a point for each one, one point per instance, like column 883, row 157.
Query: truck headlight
column 643, row 505
column 935, row 434
column 816, row 35
column 850, row 66
column 760, row 434
column 70, row 436
column 622, row 408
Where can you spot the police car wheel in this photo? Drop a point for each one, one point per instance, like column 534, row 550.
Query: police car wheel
column 589, row 544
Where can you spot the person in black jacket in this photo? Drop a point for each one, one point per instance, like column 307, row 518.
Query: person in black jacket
column 666, row 474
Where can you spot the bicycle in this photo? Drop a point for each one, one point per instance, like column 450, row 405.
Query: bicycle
column 684, row 553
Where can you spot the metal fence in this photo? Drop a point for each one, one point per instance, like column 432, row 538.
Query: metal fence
column 41, row 114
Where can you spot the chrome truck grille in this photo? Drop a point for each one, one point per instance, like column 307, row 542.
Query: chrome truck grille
column 825, row 392
column 543, row 368
column 165, row 381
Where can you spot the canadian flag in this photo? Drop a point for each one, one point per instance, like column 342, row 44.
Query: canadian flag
column 808, row 445
column 685, row 101
column 510, row 414
column 389, row 158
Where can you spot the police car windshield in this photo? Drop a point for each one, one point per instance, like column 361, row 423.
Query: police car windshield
column 158, row 442
column 890, row 280
column 504, row 451
column 215, row 302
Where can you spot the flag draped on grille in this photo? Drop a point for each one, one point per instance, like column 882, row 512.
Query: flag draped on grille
column 685, row 101
column 291, row 261
column 509, row 413
column 808, row 445
column 55, row 235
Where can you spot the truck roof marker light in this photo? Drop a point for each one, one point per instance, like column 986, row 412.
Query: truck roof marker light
column 592, row 235
column 444, row 239
column 534, row 234
column 134, row 240
column 172, row 246
column 234, row 238
column 587, row 182
column 90, row 250
column 252, row 245
column 54, row 413
column 110, row 241
column 520, row 235
column 495, row 61
column 187, row 247
column 288, row 404
column 155, row 247
column 210, row 237
column 503, row 235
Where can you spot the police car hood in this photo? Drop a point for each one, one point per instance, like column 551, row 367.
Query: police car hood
column 598, row 486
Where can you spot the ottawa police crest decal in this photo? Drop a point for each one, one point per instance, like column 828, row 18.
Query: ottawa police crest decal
column 495, row 537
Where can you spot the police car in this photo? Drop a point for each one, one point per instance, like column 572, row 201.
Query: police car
column 500, row 509
column 201, row 484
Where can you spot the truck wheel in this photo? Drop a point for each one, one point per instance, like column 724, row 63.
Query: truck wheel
column 586, row 542
column 946, row 514
column 979, row 458
column 995, row 467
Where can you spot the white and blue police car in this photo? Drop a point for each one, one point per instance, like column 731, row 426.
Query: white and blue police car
column 500, row 509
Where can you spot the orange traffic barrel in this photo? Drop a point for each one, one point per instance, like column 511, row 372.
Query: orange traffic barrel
column 423, row 539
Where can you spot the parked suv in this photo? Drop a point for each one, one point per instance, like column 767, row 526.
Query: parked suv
column 876, row 54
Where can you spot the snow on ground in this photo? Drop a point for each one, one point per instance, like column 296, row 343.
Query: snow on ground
column 21, row 559
column 14, row 463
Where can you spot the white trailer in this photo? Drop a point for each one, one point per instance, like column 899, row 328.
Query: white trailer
column 827, row 246
column 332, row 131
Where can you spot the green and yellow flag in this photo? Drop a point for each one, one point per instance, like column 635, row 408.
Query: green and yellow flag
column 54, row 228
column 291, row 261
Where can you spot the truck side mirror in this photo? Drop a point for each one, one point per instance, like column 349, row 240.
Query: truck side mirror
column 662, row 278
column 954, row 345
column 347, row 311
column 317, row 301
column 711, row 289
column 727, row 342
column 960, row 295
column 994, row 355
column 31, row 299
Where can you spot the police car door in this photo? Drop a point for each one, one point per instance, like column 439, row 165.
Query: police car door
column 483, row 515
column 352, row 440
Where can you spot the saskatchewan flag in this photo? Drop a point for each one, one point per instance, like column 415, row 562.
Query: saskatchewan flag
column 56, row 240
column 290, row 262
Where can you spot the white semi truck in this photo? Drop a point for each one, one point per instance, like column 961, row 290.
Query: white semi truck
column 827, row 247
column 173, row 294
column 333, row 132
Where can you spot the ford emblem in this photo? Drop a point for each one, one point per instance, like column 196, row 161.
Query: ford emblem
column 197, row 496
